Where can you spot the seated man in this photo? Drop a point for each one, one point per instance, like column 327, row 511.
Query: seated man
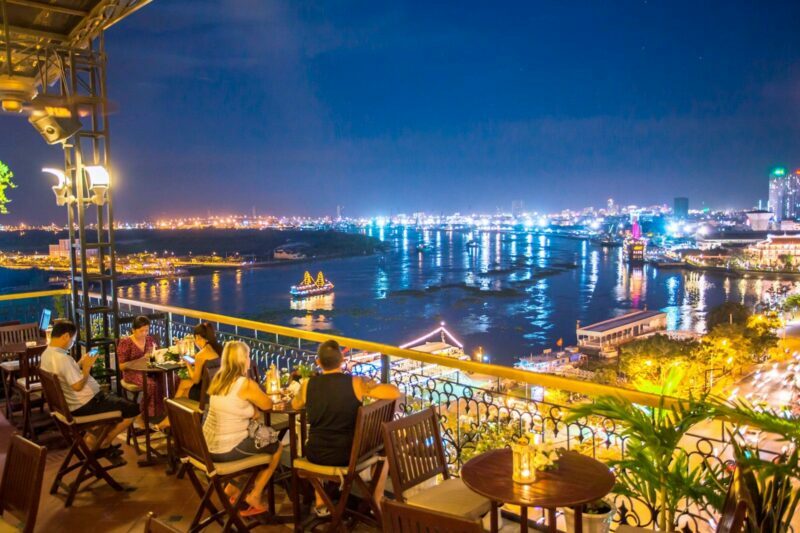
column 332, row 400
column 81, row 391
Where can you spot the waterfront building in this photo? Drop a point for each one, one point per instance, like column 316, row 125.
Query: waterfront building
column 776, row 251
column 62, row 249
column 758, row 219
column 680, row 207
column 603, row 338
column 784, row 193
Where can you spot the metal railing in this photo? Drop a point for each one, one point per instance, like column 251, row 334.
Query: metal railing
column 480, row 405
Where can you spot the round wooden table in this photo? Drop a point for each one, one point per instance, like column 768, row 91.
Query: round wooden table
column 575, row 481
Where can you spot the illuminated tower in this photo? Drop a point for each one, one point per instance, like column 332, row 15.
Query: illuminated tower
column 784, row 193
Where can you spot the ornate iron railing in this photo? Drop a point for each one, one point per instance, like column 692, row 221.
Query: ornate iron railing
column 480, row 405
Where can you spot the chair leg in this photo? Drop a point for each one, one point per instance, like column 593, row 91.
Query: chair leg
column 64, row 468
column 234, row 519
column 26, row 414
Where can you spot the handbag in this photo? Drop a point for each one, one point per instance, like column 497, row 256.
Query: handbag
column 262, row 434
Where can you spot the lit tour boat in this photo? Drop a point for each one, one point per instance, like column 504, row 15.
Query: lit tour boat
column 311, row 287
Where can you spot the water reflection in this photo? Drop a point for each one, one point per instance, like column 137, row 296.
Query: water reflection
column 315, row 303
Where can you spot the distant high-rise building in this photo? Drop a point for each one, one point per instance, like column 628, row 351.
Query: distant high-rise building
column 784, row 193
column 610, row 206
column 680, row 208
column 516, row 207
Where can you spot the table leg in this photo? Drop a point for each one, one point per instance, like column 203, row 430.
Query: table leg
column 523, row 519
column 148, row 459
column 493, row 518
column 578, row 519
column 551, row 520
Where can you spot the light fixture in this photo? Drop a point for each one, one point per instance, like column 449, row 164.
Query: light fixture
column 99, row 182
column 61, row 189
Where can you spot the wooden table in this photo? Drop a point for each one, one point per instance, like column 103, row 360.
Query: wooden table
column 294, row 452
column 151, row 456
column 576, row 480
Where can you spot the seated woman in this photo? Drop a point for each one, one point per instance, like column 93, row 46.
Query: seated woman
column 205, row 338
column 234, row 401
column 135, row 346
column 332, row 400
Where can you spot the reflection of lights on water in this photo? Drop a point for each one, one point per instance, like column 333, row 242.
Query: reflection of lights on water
column 315, row 303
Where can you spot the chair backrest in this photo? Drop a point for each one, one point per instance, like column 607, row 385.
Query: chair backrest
column 402, row 518
column 54, row 395
column 734, row 508
column 29, row 364
column 414, row 450
column 210, row 369
column 154, row 525
column 19, row 334
column 368, row 439
column 21, row 484
column 187, row 428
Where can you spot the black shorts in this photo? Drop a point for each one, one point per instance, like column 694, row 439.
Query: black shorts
column 104, row 402
column 243, row 450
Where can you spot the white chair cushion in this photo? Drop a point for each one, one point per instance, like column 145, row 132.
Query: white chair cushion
column 10, row 366
column 89, row 418
column 231, row 467
column 132, row 387
column 301, row 463
column 34, row 386
column 451, row 497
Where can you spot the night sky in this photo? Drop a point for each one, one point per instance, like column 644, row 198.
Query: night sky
column 294, row 107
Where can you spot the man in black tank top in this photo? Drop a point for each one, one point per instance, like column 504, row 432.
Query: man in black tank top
column 331, row 400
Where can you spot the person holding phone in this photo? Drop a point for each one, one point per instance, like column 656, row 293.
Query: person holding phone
column 133, row 347
column 208, row 356
column 81, row 391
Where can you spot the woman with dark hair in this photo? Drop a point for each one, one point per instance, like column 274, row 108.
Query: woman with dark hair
column 135, row 346
column 205, row 338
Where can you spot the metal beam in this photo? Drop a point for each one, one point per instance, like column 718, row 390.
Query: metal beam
column 42, row 34
column 49, row 7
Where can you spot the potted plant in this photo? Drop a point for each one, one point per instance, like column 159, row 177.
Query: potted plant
column 597, row 517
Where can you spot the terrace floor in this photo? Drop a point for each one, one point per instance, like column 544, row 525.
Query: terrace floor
column 100, row 508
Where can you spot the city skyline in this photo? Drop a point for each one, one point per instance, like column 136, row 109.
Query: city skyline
column 295, row 109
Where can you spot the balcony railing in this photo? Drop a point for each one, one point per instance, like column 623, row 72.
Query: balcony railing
column 478, row 402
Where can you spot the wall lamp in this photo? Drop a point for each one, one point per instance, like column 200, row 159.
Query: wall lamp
column 61, row 189
column 99, row 182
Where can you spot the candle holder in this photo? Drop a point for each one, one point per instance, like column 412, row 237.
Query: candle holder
column 523, row 471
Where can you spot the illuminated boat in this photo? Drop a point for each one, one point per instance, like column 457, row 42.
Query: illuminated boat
column 311, row 287
column 473, row 244
column 425, row 247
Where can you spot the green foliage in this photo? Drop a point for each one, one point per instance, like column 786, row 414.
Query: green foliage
column 6, row 182
column 792, row 303
column 654, row 469
column 727, row 313
column 770, row 487
column 649, row 362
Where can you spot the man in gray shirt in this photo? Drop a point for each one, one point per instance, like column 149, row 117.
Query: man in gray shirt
column 81, row 391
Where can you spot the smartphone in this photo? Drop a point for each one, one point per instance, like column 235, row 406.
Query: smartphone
column 94, row 352
column 188, row 358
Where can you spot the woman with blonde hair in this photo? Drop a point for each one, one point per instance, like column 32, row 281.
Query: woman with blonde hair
column 231, row 429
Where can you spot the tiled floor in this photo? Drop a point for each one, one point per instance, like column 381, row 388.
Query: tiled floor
column 101, row 509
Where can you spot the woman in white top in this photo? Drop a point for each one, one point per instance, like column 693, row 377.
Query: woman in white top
column 235, row 400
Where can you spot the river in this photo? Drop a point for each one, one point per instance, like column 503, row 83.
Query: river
column 511, row 295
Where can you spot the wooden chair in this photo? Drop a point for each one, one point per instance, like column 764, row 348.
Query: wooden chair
column 190, row 446
column 401, row 518
column 154, row 525
column 14, row 335
column 734, row 510
column 30, row 387
column 415, row 454
column 366, row 453
column 21, row 484
column 74, row 430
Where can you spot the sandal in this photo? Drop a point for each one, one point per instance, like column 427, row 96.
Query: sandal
column 254, row 511
column 322, row 512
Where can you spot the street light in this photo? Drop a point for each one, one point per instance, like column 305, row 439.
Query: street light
column 61, row 189
column 99, row 181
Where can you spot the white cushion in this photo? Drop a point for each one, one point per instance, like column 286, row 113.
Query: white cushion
column 231, row 467
column 10, row 366
column 132, row 387
column 89, row 418
column 301, row 463
column 33, row 386
column 451, row 497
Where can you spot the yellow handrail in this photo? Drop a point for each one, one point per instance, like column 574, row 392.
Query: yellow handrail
column 532, row 378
